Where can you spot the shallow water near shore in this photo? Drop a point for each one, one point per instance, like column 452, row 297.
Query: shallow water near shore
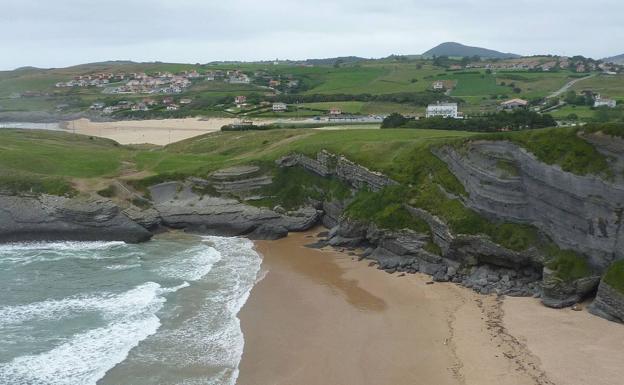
column 162, row 312
column 32, row 126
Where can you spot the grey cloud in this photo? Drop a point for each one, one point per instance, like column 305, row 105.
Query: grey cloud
column 65, row 32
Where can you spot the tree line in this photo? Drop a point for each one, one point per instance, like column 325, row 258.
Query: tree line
column 500, row 121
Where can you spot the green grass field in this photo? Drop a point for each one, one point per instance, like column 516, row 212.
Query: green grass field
column 609, row 86
column 481, row 91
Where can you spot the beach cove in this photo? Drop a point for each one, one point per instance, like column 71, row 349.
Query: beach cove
column 323, row 317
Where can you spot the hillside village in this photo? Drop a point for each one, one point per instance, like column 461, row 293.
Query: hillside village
column 357, row 91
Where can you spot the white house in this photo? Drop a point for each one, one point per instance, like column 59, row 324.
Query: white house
column 279, row 107
column 599, row 102
column 445, row 110
column 438, row 85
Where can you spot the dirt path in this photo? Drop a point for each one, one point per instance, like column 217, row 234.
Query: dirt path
column 568, row 85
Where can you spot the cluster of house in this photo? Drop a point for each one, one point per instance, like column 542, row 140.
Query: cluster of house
column 451, row 110
column 562, row 62
column 93, row 80
column 159, row 83
column 144, row 105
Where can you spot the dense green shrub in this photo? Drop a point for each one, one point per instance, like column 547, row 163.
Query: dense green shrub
column 386, row 209
column 107, row 192
column 31, row 184
column 567, row 264
column 293, row 187
column 615, row 276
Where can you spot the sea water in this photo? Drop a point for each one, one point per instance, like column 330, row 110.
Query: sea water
column 161, row 312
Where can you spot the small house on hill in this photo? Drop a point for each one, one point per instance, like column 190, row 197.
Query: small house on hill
column 335, row 111
column 514, row 104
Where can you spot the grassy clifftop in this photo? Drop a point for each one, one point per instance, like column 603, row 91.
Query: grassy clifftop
column 60, row 163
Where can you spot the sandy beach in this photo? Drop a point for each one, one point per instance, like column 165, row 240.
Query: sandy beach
column 322, row 317
column 160, row 132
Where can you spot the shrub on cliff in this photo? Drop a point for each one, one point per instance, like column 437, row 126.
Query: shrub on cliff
column 615, row 276
column 567, row 264
column 385, row 209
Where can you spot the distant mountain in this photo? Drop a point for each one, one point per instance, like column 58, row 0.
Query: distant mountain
column 619, row 59
column 457, row 49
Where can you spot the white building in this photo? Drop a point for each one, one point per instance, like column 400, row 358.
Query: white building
column 599, row 102
column 438, row 85
column 279, row 107
column 445, row 110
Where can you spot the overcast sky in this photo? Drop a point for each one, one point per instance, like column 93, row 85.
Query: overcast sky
column 57, row 33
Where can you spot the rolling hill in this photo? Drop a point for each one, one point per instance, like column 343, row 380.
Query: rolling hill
column 457, row 49
column 619, row 59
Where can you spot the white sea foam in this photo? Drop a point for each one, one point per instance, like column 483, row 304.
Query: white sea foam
column 195, row 263
column 211, row 335
column 214, row 337
column 84, row 358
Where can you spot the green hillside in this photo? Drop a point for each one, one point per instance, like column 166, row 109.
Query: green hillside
column 382, row 86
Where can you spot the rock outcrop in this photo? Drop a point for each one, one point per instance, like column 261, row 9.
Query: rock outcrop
column 327, row 164
column 52, row 218
column 609, row 303
column 505, row 182
column 557, row 293
column 239, row 181
column 180, row 207
column 475, row 263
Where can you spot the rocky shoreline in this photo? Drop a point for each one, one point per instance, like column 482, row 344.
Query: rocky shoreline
column 220, row 205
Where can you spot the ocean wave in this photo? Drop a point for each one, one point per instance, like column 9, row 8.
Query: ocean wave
column 84, row 358
column 110, row 305
column 192, row 264
column 29, row 252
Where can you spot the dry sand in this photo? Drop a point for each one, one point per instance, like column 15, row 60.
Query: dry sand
column 159, row 132
column 575, row 347
column 165, row 131
column 321, row 317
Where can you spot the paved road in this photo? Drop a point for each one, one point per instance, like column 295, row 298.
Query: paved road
column 567, row 86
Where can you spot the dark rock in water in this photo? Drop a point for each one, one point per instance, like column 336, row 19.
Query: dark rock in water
column 608, row 304
column 322, row 234
column 559, row 294
column 54, row 218
column 268, row 232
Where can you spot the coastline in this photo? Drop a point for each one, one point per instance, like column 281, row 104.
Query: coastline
column 322, row 316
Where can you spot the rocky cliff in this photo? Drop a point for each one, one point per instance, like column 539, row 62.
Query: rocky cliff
column 180, row 207
column 332, row 165
column 505, row 182
column 46, row 218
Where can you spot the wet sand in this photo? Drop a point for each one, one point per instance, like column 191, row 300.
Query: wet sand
column 322, row 317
